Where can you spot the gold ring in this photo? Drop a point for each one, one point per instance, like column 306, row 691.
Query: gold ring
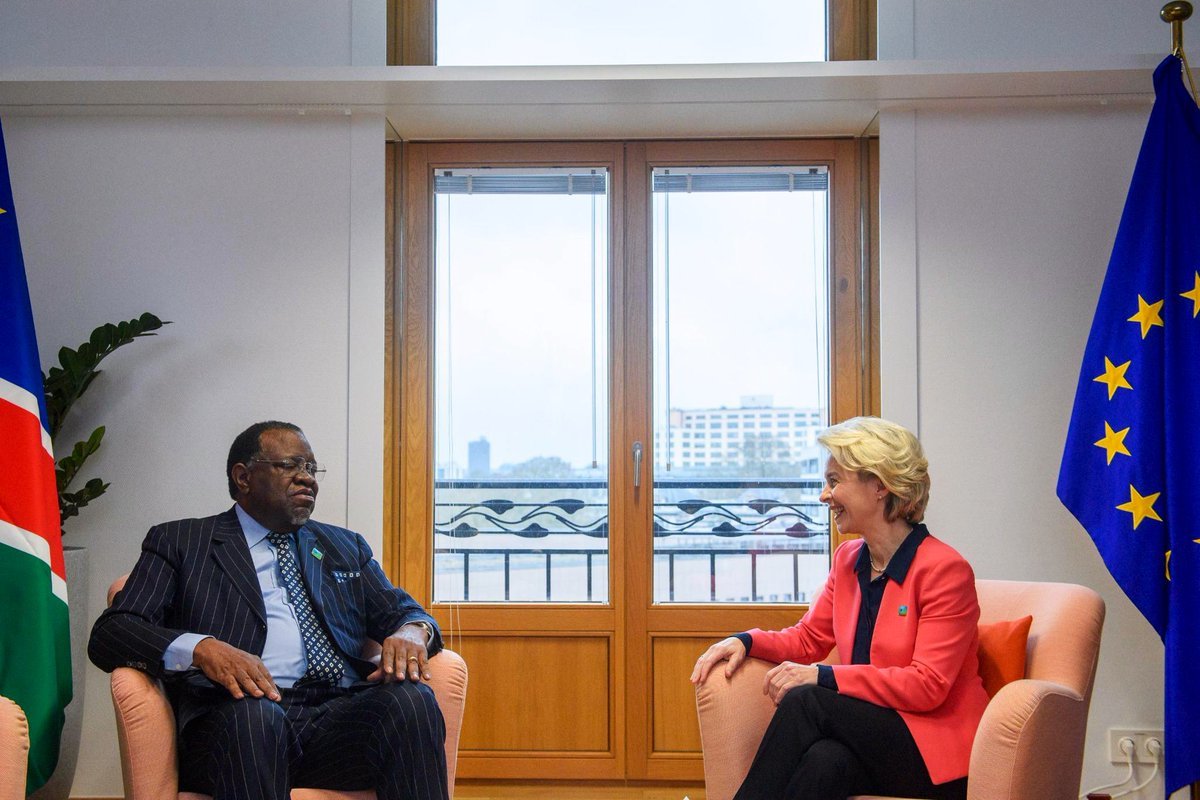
column 412, row 658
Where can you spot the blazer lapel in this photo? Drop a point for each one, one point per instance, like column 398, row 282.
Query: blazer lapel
column 232, row 555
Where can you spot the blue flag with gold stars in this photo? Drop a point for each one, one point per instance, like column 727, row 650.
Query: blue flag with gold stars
column 1131, row 467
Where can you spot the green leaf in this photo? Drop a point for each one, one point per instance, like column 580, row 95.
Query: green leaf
column 68, row 358
column 100, row 338
column 66, row 382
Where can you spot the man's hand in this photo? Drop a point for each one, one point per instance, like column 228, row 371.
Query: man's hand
column 786, row 676
column 404, row 656
column 240, row 672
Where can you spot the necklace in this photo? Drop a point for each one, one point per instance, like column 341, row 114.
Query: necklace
column 875, row 566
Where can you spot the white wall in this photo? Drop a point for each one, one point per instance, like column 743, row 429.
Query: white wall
column 996, row 231
column 260, row 237
column 964, row 30
column 192, row 33
column 262, row 240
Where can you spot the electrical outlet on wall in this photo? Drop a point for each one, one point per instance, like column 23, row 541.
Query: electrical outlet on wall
column 1142, row 751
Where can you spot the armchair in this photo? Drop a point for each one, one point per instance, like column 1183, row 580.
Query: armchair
column 1030, row 740
column 146, row 728
column 14, row 750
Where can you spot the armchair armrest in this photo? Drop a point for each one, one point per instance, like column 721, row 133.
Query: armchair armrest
column 448, row 679
column 1029, row 744
column 146, row 733
column 734, row 714
column 14, row 750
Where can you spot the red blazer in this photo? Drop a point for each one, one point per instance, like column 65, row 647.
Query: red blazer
column 924, row 651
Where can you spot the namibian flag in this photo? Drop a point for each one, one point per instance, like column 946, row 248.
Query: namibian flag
column 35, row 654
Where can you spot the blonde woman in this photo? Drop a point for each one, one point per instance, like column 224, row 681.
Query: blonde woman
column 898, row 715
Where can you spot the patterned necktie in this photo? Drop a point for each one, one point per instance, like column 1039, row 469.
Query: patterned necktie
column 324, row 662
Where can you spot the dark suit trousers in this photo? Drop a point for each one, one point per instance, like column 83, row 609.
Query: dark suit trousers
column 390, row 738
column 822, row 745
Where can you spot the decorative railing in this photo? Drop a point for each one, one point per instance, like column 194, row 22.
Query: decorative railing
column 546, row 540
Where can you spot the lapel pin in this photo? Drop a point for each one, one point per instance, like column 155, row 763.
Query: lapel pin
column 904, row 611
column 317, row 553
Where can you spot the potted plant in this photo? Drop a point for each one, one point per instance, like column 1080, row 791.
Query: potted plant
column 63, row 385
column 66, row 383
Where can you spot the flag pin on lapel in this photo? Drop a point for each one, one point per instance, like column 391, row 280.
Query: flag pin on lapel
column 317, row 553
column 904, row 611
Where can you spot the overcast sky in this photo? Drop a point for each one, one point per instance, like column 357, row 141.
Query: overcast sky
column 515, row 339
column 629, row 31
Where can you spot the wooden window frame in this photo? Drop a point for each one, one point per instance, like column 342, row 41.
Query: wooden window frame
column 637, row 725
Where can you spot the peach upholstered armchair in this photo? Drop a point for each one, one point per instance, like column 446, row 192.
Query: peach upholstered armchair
column 146, row 728
column 14, row 750
column 1030, row 741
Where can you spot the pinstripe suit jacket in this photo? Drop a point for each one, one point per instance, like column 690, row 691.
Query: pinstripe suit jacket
column 197, row 576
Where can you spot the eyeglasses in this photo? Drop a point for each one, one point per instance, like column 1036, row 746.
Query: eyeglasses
column 293, row 466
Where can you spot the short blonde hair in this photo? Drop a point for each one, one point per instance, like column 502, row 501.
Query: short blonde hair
column 889, row 452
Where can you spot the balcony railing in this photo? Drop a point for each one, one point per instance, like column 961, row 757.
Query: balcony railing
column 546, row 540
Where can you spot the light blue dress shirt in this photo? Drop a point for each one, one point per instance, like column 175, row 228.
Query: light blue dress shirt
column 283, row 653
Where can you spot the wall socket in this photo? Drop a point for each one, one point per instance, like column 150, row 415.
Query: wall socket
column 1141, row 737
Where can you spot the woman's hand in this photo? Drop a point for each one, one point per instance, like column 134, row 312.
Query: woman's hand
column 731, row 650
column 786, row 676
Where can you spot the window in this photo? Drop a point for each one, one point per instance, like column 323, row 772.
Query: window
column 618, row 571
column 530, row 32
column 770, row 224
column 521, row 424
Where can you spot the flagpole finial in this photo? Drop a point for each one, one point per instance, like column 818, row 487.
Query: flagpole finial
column 1175, row 13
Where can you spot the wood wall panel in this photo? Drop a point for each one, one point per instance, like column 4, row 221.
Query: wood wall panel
column 675, row 726
column 538, row 694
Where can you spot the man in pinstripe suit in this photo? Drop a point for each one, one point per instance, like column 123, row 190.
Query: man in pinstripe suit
column 256, row 619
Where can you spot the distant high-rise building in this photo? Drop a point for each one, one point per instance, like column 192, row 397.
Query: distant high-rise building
column 755, row 433
column 479, row 458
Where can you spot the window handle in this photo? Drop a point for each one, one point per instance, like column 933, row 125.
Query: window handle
column 637, row 464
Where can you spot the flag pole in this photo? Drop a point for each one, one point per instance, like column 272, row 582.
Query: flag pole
column 1175, row 13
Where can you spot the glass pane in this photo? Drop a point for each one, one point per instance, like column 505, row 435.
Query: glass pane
column 487, row 32
column 521, row 410
column 741, row 383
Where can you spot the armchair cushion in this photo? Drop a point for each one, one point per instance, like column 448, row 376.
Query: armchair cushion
column 1002, row 653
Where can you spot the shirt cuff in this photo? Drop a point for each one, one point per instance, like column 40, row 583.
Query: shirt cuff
column 746, row 639
column 178, row 655
column 825, row 677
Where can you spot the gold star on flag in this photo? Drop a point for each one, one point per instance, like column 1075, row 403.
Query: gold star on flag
column 3, row 210
column 1168, row 565
column 1147, row 315
column 1114, row 377
column 1113, row 442
column 1140, row 506
column 1194, row 295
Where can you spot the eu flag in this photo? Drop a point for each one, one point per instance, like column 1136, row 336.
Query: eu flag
column 1131, row 466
